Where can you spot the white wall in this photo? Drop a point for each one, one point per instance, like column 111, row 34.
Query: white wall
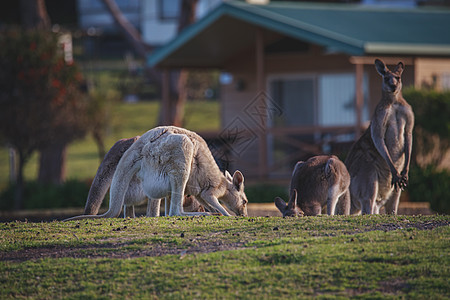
column 155, row 31
column 158, row 32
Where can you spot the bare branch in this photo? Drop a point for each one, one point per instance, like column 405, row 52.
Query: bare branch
column 131, row 34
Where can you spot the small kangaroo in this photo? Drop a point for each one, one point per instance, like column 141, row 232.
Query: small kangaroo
column 321, row 180
column 384, row 150
column 172, row 161
column 134, row 195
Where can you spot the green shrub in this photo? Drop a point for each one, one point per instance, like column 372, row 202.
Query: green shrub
column 431, row 142
column 430, row 185
column 431, row 110
column 265, row 193
column 72, row 193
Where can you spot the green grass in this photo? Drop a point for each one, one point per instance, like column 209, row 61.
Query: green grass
column 128, row 120
column 376, row 257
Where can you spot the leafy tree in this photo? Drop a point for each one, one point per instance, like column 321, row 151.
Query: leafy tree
column 40, row 99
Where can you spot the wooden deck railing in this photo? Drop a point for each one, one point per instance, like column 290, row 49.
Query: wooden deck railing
column 285, row 146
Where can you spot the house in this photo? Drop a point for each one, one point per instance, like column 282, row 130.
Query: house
column 298, row 78
column 157, row 20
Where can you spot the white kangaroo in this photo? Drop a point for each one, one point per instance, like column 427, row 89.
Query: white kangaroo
column 321, row 180
column 374, row 161
column 172, row 161
column 134, row 195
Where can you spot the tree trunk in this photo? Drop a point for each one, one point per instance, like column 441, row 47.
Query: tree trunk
column 19, row 191
column 128, row 30
column 34, row 14
column 179, row 103
column 187, row 17
column 52, row 164
column 98, row 138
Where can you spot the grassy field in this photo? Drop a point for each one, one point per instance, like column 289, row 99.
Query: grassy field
column 128, row 120
column 369, row 257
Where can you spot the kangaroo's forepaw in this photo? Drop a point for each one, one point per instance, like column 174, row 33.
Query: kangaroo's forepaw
column 400, row 182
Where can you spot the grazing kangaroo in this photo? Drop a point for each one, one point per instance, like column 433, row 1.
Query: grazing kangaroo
column 384, row 150
column 134, row 195
column 172, row 161
column 321, row 180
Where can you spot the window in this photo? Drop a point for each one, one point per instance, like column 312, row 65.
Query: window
column 445, row 79
column 337, row 100
column 316, row 104
column 295, row 98
column 168, row 9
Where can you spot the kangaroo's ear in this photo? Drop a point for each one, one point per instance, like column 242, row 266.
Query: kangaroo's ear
column 238, row 179
column 399, row 68
column 381, row 67
column 228, row 176
column 280, row 204
column 293, row 199
column 297, row 166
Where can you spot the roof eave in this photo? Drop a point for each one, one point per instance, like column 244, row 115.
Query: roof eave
column 156, row 57
column 407, row 49
column 351, row 47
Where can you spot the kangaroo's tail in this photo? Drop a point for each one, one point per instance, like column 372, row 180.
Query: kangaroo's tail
column 128, row 166
column 105, row 173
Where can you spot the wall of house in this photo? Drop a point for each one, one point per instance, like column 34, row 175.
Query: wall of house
column 432, row 72
column 156, row 31
column 236, row 100
column 93, row 14
column 238, row 96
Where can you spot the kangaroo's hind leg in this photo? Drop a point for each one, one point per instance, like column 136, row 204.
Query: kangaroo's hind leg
column 391, row 205
column 332, row 199
column 153, row 208
column 128, row 211
column 179, row 166
column 343, row 205
column 368, row 198
column 364, row 191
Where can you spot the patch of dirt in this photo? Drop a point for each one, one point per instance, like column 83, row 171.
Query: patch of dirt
column 204, row 244
column 114, row 251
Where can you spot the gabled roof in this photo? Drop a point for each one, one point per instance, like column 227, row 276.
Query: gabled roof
column 350, row 29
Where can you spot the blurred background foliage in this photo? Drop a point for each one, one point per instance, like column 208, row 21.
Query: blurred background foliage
column 430, row 167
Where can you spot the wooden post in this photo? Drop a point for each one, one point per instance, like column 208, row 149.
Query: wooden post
column 359, row 103
column 165, row 94
column 260, row 90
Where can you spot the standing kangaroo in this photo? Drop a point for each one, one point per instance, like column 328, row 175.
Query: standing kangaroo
column 321, row 180
column 172, row 161
column 384, row 150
